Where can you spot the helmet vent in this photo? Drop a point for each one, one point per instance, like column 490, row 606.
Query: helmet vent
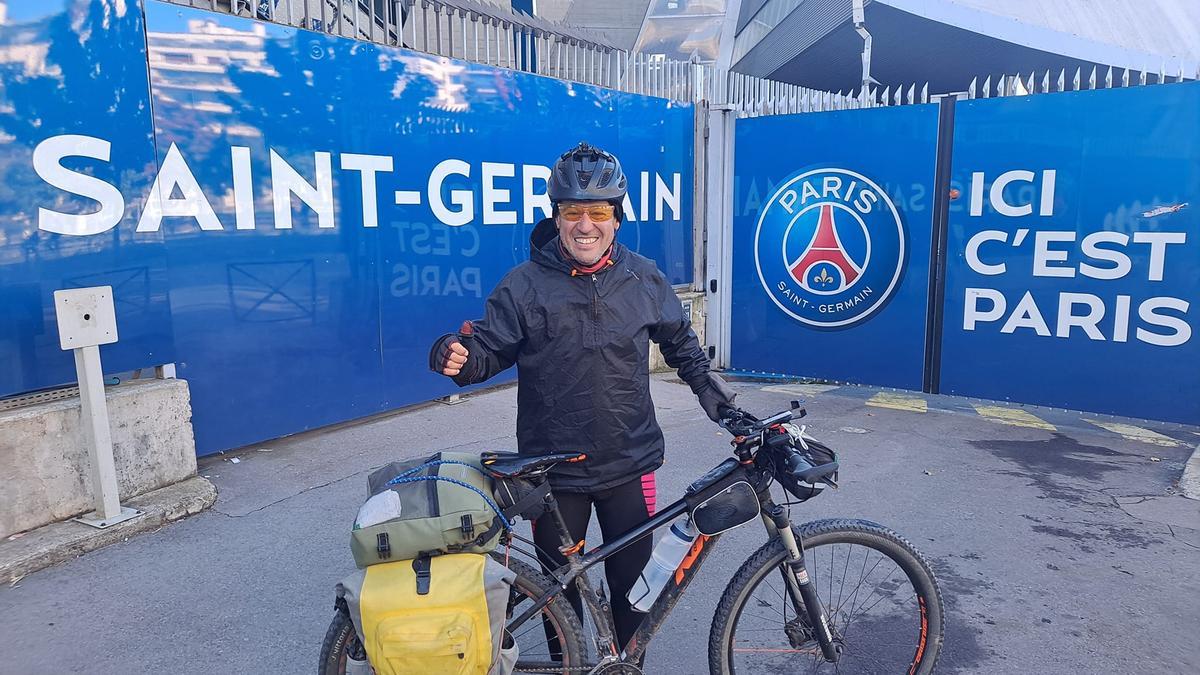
column 587, row 173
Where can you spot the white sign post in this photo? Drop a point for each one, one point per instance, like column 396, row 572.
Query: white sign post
column 86, row 320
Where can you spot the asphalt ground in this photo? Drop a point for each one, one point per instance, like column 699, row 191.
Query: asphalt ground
column 1061, row 546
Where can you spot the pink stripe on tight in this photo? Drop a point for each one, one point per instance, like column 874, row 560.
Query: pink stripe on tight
column 649, row 492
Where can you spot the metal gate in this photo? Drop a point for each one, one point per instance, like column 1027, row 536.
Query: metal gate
column 1038, row 249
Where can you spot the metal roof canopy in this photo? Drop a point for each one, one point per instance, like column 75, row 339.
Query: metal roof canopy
column 946, row 44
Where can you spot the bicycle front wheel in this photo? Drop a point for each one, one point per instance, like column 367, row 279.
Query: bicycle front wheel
column 882, row 601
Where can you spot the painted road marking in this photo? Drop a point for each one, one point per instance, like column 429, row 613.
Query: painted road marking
column 1013, row 416
column 802, row 389
column 898, row 402
column 1132, row 433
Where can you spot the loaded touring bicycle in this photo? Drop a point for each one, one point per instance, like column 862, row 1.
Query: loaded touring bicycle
column 835, row 595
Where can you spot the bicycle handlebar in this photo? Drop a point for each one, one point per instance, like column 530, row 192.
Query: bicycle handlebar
column 743, row 424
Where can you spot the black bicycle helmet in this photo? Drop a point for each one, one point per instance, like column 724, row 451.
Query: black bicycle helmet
column 586, row 173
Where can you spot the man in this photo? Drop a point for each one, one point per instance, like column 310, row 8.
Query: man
column 577, row 320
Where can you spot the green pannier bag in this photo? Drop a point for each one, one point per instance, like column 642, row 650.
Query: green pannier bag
column 441, row 504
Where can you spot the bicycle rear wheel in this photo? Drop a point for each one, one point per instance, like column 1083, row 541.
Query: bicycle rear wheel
column 883, row 604
column 553, row 643
column 340, row 646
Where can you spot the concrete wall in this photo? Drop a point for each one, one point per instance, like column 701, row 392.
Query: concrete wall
column 45, row 467
column 657, row 364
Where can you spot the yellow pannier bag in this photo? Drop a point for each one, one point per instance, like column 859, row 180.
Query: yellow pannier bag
column 433, row 615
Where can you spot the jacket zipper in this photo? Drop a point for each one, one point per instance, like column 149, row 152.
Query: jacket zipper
column 595, row 311
column 595, row 298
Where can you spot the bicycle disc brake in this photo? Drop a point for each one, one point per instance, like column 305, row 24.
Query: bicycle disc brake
column 800, row 635
column 617, row 668
column 798, row 632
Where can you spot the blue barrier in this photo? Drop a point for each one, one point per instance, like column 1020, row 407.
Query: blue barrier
column 98, row 87
column 301, row 216
column 831, row 243
column 1074, row 251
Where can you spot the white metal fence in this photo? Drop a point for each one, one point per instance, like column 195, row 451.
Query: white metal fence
column 478, row 32
column 494, row 35
column 1023, row 85
column 752, row 97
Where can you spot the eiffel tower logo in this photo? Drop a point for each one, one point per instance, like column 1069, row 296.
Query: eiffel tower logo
column 826, row 248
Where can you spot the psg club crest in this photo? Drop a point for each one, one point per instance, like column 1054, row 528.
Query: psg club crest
column 829, row 248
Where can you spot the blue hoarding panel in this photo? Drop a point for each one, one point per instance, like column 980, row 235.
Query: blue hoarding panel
column 76, row 158
column 389, row 192
column 274, row 291
column 831, row 238
column 1073, row 252
column 304, row 214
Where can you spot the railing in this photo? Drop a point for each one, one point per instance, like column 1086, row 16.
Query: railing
column 477, row 32
column 1019, row 85
column 753, row 97
column 494, row 35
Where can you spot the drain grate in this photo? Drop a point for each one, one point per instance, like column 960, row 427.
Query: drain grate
column 40, row 397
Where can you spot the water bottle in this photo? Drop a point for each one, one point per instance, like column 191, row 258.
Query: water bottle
column 664, row 560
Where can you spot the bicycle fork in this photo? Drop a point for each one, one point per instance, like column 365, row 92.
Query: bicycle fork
column 800, row 588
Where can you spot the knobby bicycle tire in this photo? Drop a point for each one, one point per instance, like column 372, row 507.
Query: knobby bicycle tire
column 338, row 638
column 926, row 642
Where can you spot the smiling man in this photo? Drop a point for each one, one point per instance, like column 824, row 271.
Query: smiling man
column 577, row 320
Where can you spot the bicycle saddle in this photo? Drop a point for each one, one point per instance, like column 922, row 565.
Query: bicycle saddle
column 512, row 465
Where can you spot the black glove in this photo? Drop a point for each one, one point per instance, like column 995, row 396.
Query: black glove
column 439, row 353
column 715, row 396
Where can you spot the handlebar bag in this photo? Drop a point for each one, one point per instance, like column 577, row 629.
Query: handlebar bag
column 816, row 454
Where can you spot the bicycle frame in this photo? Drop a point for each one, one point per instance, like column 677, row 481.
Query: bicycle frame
column 574, row 572
column 800, row 591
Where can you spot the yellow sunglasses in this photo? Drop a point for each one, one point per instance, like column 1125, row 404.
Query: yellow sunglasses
column 595, row 212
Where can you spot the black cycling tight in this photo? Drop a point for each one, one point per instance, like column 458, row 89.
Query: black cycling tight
column 618, row 509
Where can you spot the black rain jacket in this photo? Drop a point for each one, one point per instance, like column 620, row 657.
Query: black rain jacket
column 581, row 345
